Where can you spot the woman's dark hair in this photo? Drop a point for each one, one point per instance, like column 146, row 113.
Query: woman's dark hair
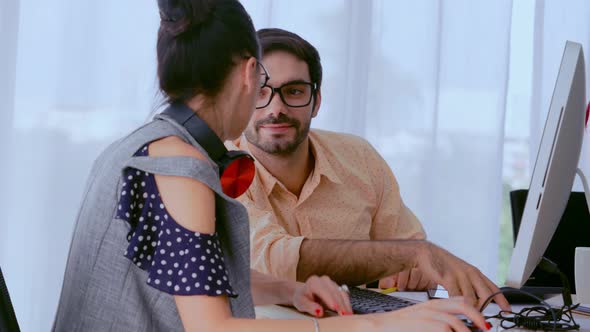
column 282, row 40
column 198, row 44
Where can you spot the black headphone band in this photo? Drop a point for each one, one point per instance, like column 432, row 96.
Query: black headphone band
column 204, row 135
column 198, row 129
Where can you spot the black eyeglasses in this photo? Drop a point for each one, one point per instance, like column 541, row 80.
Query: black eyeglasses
column 264, row 77
column 293, row 94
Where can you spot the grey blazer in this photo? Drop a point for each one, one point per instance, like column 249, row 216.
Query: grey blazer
column 105, row 291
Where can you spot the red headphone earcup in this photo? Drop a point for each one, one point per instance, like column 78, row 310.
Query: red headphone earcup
column 238, row 176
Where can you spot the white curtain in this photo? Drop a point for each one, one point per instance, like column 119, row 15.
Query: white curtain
column 84, row 75
column 452, row 93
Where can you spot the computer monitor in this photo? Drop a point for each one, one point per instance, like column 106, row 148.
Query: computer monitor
column 555, row 167
column 8, row 320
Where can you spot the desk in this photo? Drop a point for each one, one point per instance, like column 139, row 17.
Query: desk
column 279, row 312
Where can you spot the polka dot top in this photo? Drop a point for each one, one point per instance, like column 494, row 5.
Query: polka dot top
column 178, row 261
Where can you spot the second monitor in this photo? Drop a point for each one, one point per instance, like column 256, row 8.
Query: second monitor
column 555, row 167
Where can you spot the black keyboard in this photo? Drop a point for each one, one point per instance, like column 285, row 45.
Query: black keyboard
column 366, row 301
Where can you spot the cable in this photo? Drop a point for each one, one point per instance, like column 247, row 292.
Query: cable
column 538, row 318
column 535, row 318
column 549, row 266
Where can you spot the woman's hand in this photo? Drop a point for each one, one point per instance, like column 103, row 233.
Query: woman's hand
column 435, row 315
column 318, row 294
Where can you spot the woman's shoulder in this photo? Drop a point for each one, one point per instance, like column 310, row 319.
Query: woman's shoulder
column 174, row 146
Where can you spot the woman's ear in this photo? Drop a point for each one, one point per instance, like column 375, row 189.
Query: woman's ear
column 250, row 74
column 316, row 103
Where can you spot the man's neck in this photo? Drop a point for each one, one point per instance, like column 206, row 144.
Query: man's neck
column 291, row 170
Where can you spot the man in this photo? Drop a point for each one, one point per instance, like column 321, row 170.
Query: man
column 327, row 203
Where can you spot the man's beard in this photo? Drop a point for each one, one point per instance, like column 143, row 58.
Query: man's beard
column 281, row 148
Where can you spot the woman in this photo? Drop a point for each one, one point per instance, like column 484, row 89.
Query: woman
column 158, row 245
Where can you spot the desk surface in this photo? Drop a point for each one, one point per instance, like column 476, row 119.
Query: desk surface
column 279, row 312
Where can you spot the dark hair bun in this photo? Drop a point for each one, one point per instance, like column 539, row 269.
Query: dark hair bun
column 180, row 16
column 198, row 42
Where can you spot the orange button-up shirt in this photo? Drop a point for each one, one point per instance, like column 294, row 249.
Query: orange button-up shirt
column 350, row 194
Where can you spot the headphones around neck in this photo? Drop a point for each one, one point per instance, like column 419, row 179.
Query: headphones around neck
column 236, row 168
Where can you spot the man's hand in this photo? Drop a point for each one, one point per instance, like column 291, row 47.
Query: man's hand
column 457, row 276
column 355, row 262
column 408, row 280
column 320, row 293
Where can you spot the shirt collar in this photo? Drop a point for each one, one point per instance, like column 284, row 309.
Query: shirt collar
column 322, row 164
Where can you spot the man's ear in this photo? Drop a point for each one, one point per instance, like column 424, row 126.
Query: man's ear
column 316, row 103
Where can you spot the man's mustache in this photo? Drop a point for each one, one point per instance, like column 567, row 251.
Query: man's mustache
column 281, row 119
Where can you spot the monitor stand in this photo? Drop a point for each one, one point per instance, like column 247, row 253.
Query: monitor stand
column 541, row 292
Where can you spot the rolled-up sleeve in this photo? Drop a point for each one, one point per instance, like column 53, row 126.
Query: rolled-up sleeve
column 273, row 251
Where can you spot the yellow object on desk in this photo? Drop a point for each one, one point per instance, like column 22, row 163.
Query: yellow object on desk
column 389, row 290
